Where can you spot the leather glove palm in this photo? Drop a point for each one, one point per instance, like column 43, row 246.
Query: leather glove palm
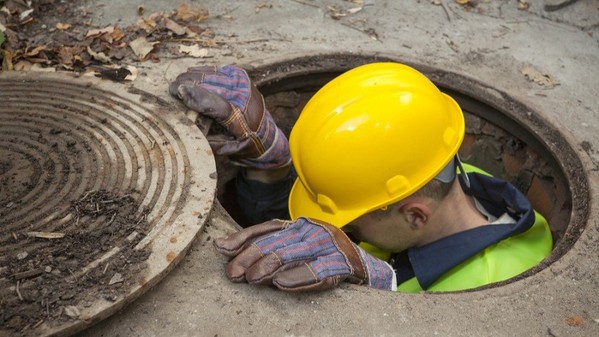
column 227, row 95
column 302, row 255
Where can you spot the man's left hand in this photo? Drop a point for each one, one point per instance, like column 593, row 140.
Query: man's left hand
column 302, row 255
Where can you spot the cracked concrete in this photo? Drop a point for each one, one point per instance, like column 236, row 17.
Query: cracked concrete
column 489, row 43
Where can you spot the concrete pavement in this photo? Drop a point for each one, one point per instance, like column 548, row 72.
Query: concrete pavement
column 489, row 43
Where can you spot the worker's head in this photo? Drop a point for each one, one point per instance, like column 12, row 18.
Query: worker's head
column 370, row 138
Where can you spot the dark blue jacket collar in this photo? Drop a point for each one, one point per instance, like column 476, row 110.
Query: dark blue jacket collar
column 431, row 261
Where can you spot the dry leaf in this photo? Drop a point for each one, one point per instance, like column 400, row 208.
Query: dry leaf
column 116, row 278
column 354, row 10
column 463, row 2
column 262, row 5
column 147, row 25
column 66, row 55
column 98, row 32
column 117, row 34
column 72, row 311
column 186, row 12
column 98, row 56
column 334, row 12
column 193, row 50
column 63, row 26
column 174, row 27
column 35, row 51
column 538, row 77
column 523, row 5
column 141, row 47
column 24, row 16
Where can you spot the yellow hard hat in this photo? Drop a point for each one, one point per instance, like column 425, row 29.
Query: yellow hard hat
column 369, row 138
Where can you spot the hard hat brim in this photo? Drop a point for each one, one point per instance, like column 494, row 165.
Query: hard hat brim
column 302, row 204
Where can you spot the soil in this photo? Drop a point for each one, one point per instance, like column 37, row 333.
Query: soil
column 51, row 277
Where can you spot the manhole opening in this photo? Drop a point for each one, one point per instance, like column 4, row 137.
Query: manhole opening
column 503, row 136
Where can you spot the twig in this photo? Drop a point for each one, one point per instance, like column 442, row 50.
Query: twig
column 27, row 274
column 38, row 323
column 85, row 195
column 226, row 12
column 361, row 31
column 260, row 40
column 19, row 292
column 70, row 271
column 306, row 3
column 106, row 268
column 111, row 219
column 445, row 9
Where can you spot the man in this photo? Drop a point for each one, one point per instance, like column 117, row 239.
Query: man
column 375, row 155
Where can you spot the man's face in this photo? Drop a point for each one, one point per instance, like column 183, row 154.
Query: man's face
column 387, row 229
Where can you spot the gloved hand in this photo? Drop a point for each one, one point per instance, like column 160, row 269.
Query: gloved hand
column 227, row 95
column 302, row 255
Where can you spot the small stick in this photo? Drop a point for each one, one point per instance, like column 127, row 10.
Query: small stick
column 86, row 194
column 306, row 3
column 70, row 271
column 446, row 10
column 19, row 292
column 38, row 323
column 105, row 268
column 111, row 219
column 27, row 274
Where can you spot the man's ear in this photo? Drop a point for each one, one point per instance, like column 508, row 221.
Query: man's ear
column 416, row 213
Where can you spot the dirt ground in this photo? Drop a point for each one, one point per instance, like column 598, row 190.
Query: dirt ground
column 43, row 265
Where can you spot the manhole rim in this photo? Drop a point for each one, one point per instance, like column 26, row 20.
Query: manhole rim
column 268, row 73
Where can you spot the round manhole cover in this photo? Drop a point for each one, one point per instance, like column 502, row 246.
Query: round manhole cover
column 102, row 190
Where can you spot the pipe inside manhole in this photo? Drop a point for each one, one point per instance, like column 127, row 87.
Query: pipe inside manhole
column 503, row 136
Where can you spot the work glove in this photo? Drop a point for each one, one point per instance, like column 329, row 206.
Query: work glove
column 301, row 255
column 227, row 95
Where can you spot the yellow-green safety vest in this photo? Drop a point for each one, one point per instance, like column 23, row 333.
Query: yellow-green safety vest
column 501, row 261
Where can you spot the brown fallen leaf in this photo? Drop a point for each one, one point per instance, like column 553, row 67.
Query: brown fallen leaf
column 186, row 12
column 174, row 27
column 193, row 50
column 100, row 56
column 142, row 47
column 66, row 55
column 98, row 32
column 540, row 78
column 523, row 5
column 35, row 51
column 117, row 34
column 63, row 26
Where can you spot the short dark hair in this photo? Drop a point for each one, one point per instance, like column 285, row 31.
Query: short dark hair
column 435, row 189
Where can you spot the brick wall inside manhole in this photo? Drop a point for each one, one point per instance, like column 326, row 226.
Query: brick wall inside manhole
column 494, row 141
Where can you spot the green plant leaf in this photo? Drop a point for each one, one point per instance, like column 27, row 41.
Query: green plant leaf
column 2, row 38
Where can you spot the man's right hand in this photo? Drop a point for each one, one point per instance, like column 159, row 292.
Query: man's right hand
column 227, row 95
